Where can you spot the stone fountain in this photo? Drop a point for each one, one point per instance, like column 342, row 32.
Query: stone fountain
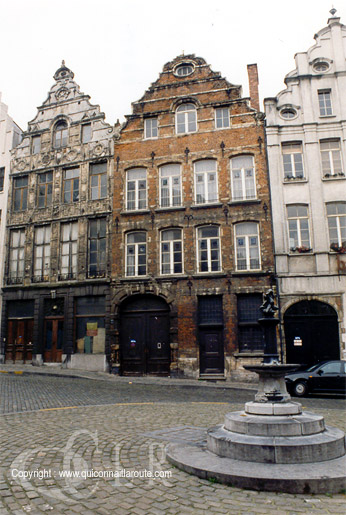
column 272, row 445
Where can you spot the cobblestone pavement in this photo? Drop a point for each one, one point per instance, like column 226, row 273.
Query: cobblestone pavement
column 127, row 434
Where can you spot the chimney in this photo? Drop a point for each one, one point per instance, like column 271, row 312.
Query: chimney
column 253, row 86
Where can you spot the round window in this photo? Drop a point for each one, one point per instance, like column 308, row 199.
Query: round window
column 288, row 112
column 183, row 70
column 321, row 66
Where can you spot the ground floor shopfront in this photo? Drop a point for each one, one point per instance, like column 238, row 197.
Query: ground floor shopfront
column 65, row 325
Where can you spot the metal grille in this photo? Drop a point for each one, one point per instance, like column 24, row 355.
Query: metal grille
column 210, row 310
column 250, row 334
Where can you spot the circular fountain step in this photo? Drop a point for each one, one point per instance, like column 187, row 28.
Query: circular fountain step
column 259, row 425
column 327, row 445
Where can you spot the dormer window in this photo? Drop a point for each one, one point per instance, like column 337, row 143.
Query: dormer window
column 186, row 118
column 184, row 69
column 60, row 135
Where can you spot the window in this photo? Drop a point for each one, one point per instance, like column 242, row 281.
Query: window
column 205, row 181
column 208, row 245
column 222, row 117
column 2, row 177
column 292, row 156
column 16, row 256
column 86, row 132
column 71, row 185
column 288, row 113
column 45, row 189
column 321, row 66
column 325, row 103
column 97, row 248
column 183, row 70
column 298, row 227
column 136, row 254
column 98, row 180
column 210, row 310
column 60, row 135
column 170, row 185
column 136, row 183
column 20, row 193
column 336, row 213
column 331, row 157
column 90, row 324
column 171, row 252
column 243, row 178
column 150, row 128
column 42, row 253
column 250, row 334
column 36, row 145
column 68, row 257
column 247, row 246
column 186, row 118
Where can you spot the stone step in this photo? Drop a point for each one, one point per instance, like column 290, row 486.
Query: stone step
column 327, row 445
column 262, row 425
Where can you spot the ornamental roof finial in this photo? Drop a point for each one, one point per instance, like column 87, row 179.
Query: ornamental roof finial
column 332, row 11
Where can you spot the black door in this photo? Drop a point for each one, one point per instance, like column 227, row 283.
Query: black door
column 311, row 333
column 211, row 351
column 144, row 337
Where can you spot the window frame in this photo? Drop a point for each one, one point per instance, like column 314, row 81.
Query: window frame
column 208, row 250
column 222, row 118
column 42, row 272
column 332, row 159
column 207, row 193
column 72, row 182
column 136, row 255
column 298, row 227
column 338, row 226
column 149, row 130
column 2, row 178
column 46, row 187
column 84, row 134
column 35, row 148
column 137, row 190
column 247, row 247
column 186, row 118
column 249, row 329
column 101, row 186
column 16, row 257
column 243, row 179
column 170, row 186
column 60, row 134
column 323, row 101
column 292, row 149
column 100, row 253
column 22, row 191
column 171, row 252
column 72, row 244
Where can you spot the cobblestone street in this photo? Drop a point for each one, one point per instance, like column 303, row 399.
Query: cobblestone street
column 56, row 424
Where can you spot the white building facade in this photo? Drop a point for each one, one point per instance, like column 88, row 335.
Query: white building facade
column 10, row 135
column 306, row 139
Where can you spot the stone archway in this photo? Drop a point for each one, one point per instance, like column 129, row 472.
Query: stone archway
column 311, row 332
column 144, row 336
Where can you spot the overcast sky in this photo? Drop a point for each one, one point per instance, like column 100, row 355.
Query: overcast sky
column 118, row 48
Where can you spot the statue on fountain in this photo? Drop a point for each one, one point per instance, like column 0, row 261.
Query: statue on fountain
column 268, row 309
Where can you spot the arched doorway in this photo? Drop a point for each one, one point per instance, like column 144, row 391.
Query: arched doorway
column 144, row 336
column 311, row 332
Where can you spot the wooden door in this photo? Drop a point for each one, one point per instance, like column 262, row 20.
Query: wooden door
column 19, row 340
column 211, row 351
column 53, row 337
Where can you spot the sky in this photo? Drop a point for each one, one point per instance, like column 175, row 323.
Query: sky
column 116, row 49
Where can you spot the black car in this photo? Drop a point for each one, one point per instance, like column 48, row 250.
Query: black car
column 326, row 377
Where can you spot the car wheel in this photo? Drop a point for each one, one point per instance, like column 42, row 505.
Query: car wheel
column 300, row 388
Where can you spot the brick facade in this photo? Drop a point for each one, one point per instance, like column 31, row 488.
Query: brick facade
column 215, row 125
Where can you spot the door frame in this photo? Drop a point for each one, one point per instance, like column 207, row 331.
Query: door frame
column 54, row 355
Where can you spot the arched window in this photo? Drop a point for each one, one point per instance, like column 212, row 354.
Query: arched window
column 60, row 134
column 136, row 189
column 243, row 178
column 208, row 246
column 247, row 246
column 136, row 254
column 336, row 214
column 186, row 118
column 170, row 185
column 205, row 181
column 171, row 251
